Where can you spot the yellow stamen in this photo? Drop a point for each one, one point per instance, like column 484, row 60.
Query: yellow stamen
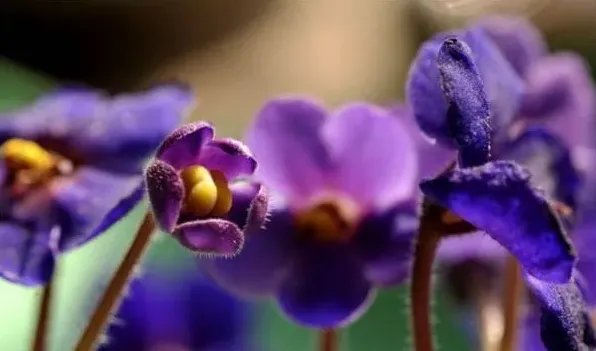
column 27, row 154
column 324, row 223
column 223, row 204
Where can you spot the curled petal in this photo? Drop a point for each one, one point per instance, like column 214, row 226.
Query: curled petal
column 561, row 95
column 230, row 157
column 211, row 237
column 182, row 147
column 90, row 202
column 326, row 288
column 518, row 40
column 26, row 257
column 249, row 206
column 166, row 193
column 285, row 139
column 262, row 264
column 468, row 115
column 374, row 157
column 498, row 198
column 565, row 322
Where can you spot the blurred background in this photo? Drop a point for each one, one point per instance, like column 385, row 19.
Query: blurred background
column 236, row 54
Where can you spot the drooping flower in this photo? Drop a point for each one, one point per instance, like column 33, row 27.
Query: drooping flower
column 197, row 191
column 71, row 166
column 343, row 214
column 178, row 309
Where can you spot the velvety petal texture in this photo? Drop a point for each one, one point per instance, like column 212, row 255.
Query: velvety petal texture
column 565, row 322
column 468, row 114
column 499, row 199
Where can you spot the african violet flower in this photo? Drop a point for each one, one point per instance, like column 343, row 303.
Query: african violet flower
column 71, row 166
column 178, row 309
column 343, row 217
column 197, row 192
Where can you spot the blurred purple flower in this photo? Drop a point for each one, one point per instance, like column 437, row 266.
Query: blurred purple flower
column 71, row 166
column 343, row 213
column 177, row 309
column 197, row 192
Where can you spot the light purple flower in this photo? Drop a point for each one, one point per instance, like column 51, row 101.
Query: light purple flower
column 343, row 213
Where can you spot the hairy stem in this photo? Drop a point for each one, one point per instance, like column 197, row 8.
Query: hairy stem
column 117, row 285
column 41, row 331
column 511, row 304
column 329, row 340
column 420, row 288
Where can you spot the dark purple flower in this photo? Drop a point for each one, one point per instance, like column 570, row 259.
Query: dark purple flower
column 71, row 166
column 343, row 218
column 177, row 309
column 197, row 191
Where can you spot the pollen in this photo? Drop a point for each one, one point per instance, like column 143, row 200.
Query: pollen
column 207, row 192
column 325, row 223
column 25, row 154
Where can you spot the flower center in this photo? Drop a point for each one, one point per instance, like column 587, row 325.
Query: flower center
column 207, row 192
column 325, row 222
column 29, row 165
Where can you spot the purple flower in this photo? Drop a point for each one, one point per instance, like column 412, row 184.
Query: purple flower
column 71, row 166
column 197, row 192
column 343, row 217
column 177, row 309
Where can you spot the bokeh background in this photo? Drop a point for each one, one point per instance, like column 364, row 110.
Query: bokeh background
column 236, row 54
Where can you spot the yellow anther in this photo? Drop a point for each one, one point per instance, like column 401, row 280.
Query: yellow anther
column 27, row 154
column 201, row 198
column 323, row 223
column 193, row 175
column 223, row 205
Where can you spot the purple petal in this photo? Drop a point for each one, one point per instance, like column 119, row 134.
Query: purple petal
column 115, row 133
column 468, row 115
column 498, row 198
column 326, row 288
column 518, row 40
column 549, row 161
column 166, row 193
column 530, row 335
column 374, row 156
column 565, row 322
column 285, row 139
column 211, row 237
column 228, row 156
column 249, row 206
column 476, row 246
column 384, row 242
column 263, row 262
column 90, row 202
column 26, row 256
column 561, row 95
column 183, row 146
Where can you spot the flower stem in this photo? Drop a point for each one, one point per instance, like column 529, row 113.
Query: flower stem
column 329, row 340
column 420, row 288
column 117, row 285
column 511, row 304
column 490, row 318
column 41, row 332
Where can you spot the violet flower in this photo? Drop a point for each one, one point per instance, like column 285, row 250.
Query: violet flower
column 70, row 167
column 197, row 192
column 178, row 309
column 343, row 218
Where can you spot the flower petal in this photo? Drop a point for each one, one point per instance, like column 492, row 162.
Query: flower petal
column 561, row 95
column 27, row 256
column 518, row 40
column 384, row 242
column 211, row 237
column 230, row 157
column 468, row 115
column 565, row 323
column 498, row 198
column 475, row 246
column 114, row 133
column 263, row 262
column 249, row 206
column 166, row 193
column 326, row 288
column 90, row 202
column 549, row 161
column 182, row 147
column 374, row 157
column 285, row 139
